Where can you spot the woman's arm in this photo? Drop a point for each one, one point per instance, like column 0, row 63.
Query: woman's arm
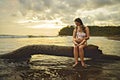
column 83, row 41
column 74, row 37
column 87, row 33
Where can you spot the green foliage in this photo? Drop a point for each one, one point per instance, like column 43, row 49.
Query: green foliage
column 66, row 30
column 94, row 30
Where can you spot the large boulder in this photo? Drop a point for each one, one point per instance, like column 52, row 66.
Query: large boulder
column 91, row 51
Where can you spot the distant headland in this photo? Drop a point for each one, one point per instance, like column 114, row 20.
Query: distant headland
column 94, row 31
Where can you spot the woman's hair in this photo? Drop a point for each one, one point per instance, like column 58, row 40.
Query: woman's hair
column 80, row 21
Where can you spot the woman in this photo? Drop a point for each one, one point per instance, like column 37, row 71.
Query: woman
column 80, row 37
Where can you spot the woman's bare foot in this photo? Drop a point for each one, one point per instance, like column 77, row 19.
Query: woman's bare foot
column 84, row 65
column 74, row 65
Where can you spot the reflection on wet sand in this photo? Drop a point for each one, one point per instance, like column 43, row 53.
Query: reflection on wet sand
column 46, row 67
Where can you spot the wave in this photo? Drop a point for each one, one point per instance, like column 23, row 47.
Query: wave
column 21, row 36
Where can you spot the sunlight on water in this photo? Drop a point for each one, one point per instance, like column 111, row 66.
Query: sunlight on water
column 51, row 61
column 58, row 67
column 106, row 45
column 47, row 59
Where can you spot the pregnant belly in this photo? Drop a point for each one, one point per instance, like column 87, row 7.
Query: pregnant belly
column 78, row 40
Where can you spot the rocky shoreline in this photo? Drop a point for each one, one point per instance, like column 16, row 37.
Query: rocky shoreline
column 51, row 62
column 25, row 53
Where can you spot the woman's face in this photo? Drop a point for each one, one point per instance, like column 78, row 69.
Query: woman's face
column 77, row 23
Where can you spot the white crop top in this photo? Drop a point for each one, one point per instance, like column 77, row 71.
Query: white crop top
column 80, row 34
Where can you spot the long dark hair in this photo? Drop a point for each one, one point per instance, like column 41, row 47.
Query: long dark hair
column 82, row 25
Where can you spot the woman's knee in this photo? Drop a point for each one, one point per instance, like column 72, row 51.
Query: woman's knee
column 75, row 46
column 81, row 47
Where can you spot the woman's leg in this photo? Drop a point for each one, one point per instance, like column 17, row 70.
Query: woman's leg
column 81, row 53
column 75, row 55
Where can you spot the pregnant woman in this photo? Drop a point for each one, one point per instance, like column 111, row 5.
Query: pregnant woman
column 80, row 37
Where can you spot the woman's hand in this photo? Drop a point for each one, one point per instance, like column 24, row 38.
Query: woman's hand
column 83, row 41
column 75, row 43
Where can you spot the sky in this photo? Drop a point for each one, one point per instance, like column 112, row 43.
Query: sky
column 47, row 17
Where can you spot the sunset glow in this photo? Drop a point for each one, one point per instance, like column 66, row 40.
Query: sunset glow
column 57, row 23
column 27, row 16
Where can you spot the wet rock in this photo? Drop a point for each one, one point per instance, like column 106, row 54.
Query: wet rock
column 24, row 53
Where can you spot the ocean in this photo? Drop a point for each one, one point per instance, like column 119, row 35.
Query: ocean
column 10, row 43
column 47, row 67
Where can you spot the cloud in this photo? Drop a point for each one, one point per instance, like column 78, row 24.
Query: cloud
column 89, row 11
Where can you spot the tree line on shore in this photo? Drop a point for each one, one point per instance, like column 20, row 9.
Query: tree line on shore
column 94, row 31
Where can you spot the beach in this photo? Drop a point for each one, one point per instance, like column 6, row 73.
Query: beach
column 49, row 67
column 36, row 39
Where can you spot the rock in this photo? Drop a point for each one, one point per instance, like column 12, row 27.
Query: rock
column 92, row 51
column 24, row 53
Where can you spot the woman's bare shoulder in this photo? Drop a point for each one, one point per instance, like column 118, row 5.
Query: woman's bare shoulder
column 86, row 27
column 74, row 29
